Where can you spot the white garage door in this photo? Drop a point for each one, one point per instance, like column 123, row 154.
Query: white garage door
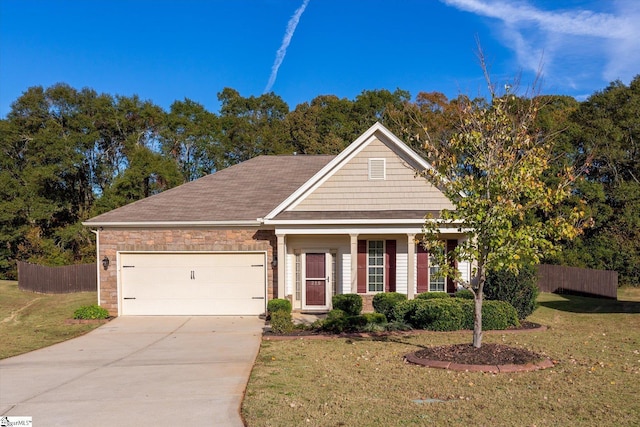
column 192, row 283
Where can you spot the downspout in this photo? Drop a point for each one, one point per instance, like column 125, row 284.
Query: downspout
column 97, row 233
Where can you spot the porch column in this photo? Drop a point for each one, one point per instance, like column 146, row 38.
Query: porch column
column 411, row 253
column 282, row 260
column 354, row 263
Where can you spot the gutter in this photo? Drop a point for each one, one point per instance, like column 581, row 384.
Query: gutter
column 172, row 224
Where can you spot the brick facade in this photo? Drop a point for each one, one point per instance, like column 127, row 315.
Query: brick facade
column 113, row 241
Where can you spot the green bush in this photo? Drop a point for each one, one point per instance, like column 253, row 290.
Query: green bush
column 404, row 310
column 520, row 291
column 465, row 294
column 374, row 327
column 432, row 295
column 438, row 315
column 454, row 314
column 281, row 322
column 338, row 321
column 351, row 304
column 496, row 315
column 278, row 304
column 467, row 312
column 398, row 326
column 377, row 318
column 384, row 302
column 90, row 312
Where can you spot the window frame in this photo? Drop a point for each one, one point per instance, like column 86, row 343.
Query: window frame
column 436, row 281
column 378, row 266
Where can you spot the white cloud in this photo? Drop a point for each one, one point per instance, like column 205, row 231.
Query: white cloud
column 280, row 54
column 576, row 43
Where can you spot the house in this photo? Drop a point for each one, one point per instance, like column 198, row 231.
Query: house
column 297, row 227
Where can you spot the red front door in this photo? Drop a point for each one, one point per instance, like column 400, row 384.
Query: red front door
column 315, row 279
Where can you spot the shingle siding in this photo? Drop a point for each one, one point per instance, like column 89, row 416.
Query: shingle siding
column 351, row 189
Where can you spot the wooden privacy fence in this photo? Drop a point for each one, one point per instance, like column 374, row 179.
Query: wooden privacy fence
column 57, row 280
column 561, row 279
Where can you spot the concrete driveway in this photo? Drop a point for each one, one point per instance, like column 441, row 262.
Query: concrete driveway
column 137, row 371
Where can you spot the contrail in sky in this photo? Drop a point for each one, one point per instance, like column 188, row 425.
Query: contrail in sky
column 291, row 28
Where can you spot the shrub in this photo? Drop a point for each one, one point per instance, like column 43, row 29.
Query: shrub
column 385, row 302
column 278, row 304
column 351, row 304
column 464, row 294
column 438, row 315
column 90, row 312
column 356, row 323
column 377, row 318
column 281, row 322
column 467, row 312
column 432, row 295
column 374, row 327
column 404, row 310
column 520, row 291
column 338, row 321
column 496, row 315
column 398, row 326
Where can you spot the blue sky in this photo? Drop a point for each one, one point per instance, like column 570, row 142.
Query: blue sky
column 167, row 50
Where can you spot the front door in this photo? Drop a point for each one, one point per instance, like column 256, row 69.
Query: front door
column 315, row 280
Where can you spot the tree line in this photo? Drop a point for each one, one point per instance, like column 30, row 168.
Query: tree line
column 68, row 154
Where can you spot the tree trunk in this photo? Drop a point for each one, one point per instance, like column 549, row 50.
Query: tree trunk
column 477, row 320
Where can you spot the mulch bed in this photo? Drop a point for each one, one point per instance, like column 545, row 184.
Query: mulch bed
column 487, row 354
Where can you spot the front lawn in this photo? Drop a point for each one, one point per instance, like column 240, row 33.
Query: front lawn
column 29, row 321
column 364, row 382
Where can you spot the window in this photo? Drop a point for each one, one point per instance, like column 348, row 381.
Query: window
column 436, row 284
column 375, row 266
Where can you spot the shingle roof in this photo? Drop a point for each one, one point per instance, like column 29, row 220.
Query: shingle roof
column 243, row 192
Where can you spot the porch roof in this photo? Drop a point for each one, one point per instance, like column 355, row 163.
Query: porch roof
column 356, row 215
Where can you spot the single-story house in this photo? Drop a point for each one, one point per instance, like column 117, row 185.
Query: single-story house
column 302, row 227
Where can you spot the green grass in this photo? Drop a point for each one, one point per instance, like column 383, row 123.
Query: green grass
column 364, row 382
column 29, row 321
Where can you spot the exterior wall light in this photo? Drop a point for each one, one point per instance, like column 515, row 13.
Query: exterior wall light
column 105, row 262
column 274, row 262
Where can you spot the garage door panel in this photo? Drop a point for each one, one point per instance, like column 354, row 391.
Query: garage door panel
column 193, row 283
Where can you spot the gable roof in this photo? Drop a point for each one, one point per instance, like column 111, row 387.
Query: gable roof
column 377, row 131
column 238, row 195
column 266, row 190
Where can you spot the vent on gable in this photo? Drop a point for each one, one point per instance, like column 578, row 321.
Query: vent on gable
column 377, row 169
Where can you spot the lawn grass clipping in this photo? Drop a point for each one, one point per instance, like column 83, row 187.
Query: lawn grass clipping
column 29, row 321
column 364, row 382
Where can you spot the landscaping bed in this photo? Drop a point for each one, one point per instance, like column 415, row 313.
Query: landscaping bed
column 594, row 343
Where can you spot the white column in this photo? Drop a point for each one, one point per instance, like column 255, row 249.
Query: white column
column 282, row 259
column 354, row 263
column 411, row 256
